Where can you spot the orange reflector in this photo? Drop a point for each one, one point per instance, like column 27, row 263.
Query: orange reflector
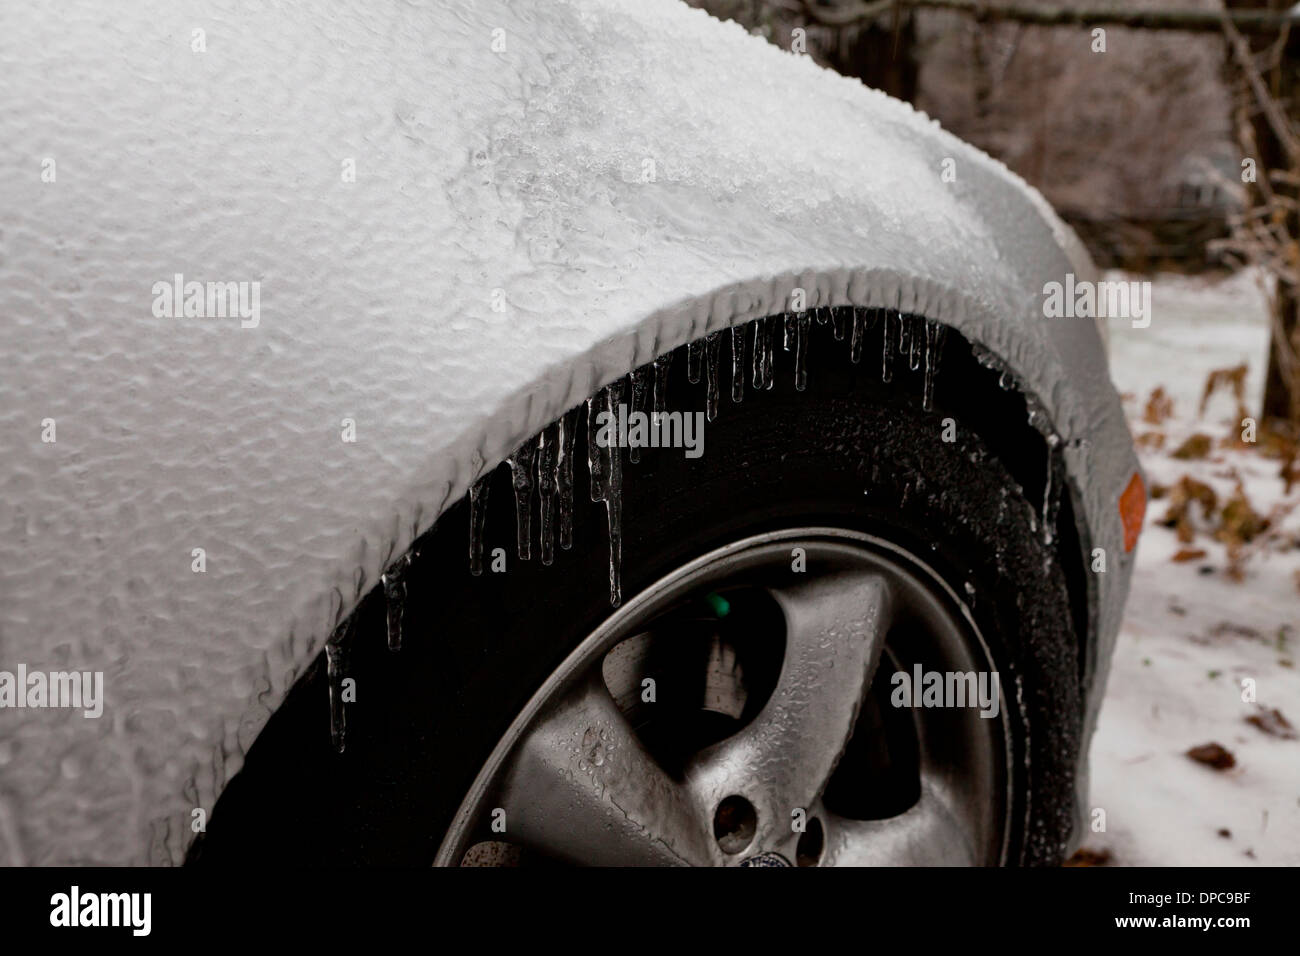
column 1132, row 508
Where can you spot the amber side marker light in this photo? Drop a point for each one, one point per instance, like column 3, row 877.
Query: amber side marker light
column 1132, row 509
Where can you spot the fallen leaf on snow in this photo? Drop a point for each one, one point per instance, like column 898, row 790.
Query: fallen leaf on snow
column 1151, row 441
column 1231, row 629
column 1213, row 755
column 1181, row 497
column 1239, row 521
column 1196, row 446
column 1159, row 407
column 1272, row 723
column 1231, row 379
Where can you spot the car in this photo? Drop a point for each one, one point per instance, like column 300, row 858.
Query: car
column 497, row 433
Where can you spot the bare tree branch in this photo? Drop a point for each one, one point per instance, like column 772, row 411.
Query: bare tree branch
column 1277, row 120
column 1208, row 21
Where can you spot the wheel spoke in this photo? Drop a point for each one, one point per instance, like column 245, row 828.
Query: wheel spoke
column 928, row 834
column 835, row 627
column 582, row 787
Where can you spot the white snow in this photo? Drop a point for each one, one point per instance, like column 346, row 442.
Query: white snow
column 1189, row 638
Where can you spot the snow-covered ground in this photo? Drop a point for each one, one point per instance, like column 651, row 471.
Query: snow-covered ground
column 1192, row 635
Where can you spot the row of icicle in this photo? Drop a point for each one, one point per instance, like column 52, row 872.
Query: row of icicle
column 544, row 464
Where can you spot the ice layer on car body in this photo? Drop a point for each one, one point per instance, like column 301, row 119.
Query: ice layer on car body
column 530, row 189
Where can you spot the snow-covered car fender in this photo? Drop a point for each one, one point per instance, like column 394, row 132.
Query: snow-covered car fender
column 451, row 222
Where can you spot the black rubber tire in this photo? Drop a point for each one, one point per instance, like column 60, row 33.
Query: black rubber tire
column 849, row 451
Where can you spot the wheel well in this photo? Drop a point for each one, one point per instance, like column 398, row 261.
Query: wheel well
column 965, row 385
column 994, row 407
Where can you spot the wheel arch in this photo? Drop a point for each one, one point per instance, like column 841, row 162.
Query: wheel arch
column 1003, row 344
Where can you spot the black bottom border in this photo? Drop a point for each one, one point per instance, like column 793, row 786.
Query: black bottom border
column 332, row 905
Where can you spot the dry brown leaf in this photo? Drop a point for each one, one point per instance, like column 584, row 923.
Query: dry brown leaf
column 1236, row 568
column 1233, row 629
column 1239, row 523
column 1151, row 441
column 1195, row 447
column 1183, row 555
column 1213, row 755
column 1181, row 497
column 1159, row 407
column 1272, row 723
column 1230, row 378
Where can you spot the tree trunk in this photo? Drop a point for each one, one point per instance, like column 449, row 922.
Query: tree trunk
column 881, row 55
column 1281, row 397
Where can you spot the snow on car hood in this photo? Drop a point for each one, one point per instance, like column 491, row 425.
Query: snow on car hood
column 458, row 219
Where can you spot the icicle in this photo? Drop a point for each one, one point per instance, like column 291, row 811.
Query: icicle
column 737, row 363
column 547, row 485
column 394, row 583
column 663, row 364
column 1006, row 380
column 395, row 600
column 567, row 432
column 904, row 334
column 934, row 335
column 917, row 355
column 769, row 353
column 521, row 473
column 694, row 352
column 986, row 358
column 787, row 337
column 606, row 468
column 887, row 352
column 336, row 664
column 823, row 315
column 713, row 362
column 801, row 352
column 478, row 498
column 640, row 398
column 1051, row 492
column 859, row 333
column 760, row 348
column 596, row 454
column 840, row 318
column 614, row 515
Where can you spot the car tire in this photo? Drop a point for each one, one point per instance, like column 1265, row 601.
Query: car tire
column 847, row 450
